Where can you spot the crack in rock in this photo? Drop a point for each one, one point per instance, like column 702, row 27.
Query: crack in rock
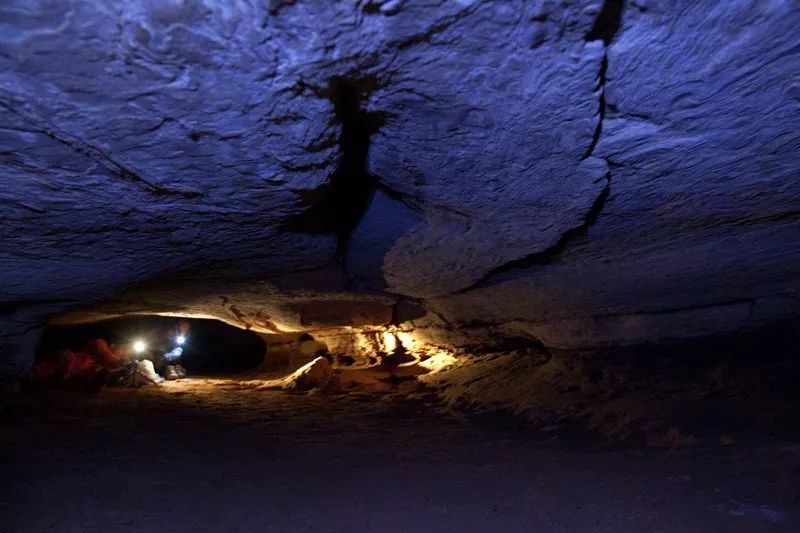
column 601, row 112
column 553, row 252
column 95, row 154
column 605, row 28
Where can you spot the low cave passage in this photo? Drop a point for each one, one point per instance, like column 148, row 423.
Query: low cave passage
column 207, row 346
column 90, row 356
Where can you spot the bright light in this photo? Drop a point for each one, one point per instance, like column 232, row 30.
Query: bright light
column 180, row 339
column 389, row 341
column 139, row 346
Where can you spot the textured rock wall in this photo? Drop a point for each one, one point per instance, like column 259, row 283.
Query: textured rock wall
column 582, row 172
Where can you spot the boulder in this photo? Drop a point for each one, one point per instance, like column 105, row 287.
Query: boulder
column 314, row 375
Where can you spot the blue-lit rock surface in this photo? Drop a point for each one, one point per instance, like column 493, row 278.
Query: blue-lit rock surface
column 552, row 169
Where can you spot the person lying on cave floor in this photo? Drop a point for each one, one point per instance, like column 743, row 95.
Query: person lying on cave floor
column 89, row 368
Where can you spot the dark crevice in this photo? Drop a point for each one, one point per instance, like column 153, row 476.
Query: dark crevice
column 371, row 8
column 605, row 28
column 601, row 112
column 275, row 6
column 340, row 204
column 607, row 23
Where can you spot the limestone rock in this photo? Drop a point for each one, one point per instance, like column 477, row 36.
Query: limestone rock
column 314, row 375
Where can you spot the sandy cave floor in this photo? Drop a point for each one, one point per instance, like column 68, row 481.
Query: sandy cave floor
column 215, row 455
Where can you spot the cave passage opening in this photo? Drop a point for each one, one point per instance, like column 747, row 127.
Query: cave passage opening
column 204, row 346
